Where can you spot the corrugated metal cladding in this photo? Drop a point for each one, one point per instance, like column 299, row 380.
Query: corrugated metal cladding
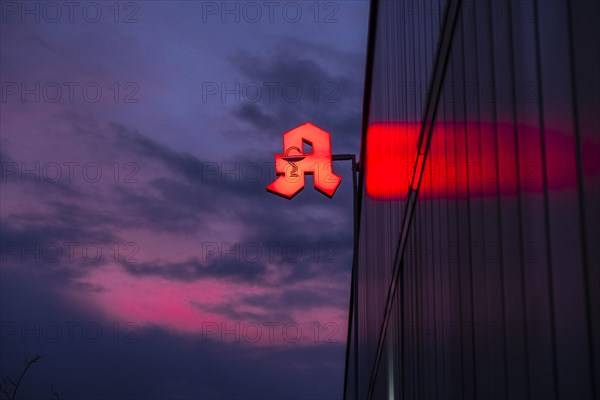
column 478, row 270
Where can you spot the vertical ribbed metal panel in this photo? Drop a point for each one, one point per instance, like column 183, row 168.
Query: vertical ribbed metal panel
column 498, row 282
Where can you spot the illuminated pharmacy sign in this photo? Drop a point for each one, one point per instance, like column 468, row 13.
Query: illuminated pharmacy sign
column 295, row 163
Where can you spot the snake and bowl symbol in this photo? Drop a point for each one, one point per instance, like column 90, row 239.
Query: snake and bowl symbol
column 292, row 159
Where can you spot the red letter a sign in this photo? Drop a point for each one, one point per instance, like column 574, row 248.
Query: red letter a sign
column 294, row 164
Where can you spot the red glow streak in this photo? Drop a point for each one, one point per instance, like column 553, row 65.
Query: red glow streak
column 291, row 166
column 487, row 168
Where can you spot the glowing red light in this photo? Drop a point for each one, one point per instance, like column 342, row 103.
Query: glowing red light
column 390, row 160
column 470, row 158
column 292, row 166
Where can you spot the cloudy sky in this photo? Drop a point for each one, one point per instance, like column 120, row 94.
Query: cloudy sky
column 141, row 253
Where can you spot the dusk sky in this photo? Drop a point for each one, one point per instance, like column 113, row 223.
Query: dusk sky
column 141, row 253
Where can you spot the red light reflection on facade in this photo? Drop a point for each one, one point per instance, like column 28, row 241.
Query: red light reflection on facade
column 476, row 158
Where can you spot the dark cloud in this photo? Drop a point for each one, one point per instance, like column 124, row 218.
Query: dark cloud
column 181, row 163
column 328, row 99
column 231, row 311
column 241, row 271
column 33, row 178
column 253, row 113
column 294, row 299
column 59, row 252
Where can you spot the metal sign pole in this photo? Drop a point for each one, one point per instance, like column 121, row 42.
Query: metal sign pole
column 353, row 304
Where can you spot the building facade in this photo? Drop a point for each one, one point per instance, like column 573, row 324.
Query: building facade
column 477, row 260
